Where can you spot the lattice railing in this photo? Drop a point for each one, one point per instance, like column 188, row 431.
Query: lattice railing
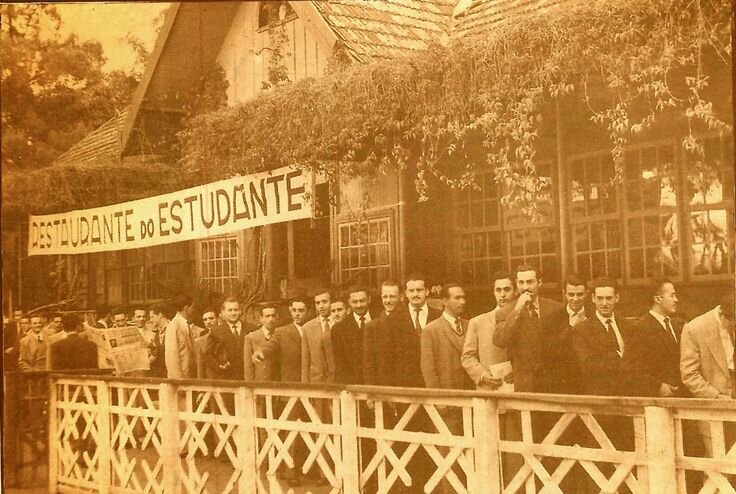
column 140, row 435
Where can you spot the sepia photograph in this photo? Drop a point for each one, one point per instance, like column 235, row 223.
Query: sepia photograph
column 368, row 247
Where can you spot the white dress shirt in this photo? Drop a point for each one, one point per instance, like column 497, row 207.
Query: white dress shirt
column 423, row 314
column 366, row 318
column 727, row 342
column 660, row 319
column 615, row 330
column 574, row 317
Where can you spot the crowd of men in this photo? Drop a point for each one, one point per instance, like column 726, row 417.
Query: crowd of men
column 580, row 347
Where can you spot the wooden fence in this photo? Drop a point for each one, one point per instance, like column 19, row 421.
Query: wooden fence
column 125, row 435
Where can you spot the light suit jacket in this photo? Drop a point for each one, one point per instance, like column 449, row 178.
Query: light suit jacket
column 32, row 353
column 179, row 350
column 479, row 351
column 441, row 350
column 315, row 368
column 703, row 358
column 262, row 371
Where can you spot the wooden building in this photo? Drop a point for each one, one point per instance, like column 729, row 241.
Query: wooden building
column 653, row 223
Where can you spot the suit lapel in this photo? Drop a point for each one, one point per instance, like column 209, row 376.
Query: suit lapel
column 449, row 333
column 715, row 345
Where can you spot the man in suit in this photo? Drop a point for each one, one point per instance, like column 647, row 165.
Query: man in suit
column 480, row 354
column 205, row 368
column 55, row 332
column 285, row 347
column 479, row 351
column 398, row 363
column 347, row 338
column 226, row 349
column 156, row 358
column 390, row 299
column 254, row 341
column 32, row 353
column 519, row 329
column 73, row 351
column 604, row 346
column 441, row 349
column 658, row 335
column 179, row 342
column 314, row 357
column 707, row 362
column 339, row 310
column 557, row 344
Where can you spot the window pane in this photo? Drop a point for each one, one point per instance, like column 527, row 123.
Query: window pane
column 710, row 252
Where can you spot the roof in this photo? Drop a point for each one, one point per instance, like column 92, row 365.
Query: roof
column 102, row 144
column 373, row 30
column 480, row 15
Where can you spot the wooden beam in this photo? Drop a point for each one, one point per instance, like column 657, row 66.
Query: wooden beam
column 564, row 226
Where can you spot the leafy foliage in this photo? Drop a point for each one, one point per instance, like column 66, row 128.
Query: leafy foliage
column 54, row 91
column 483, row 102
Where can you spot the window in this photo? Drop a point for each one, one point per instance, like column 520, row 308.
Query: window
column 650, row 187
column 155, row 272
column 218, row 264
column 365, row 251
column 270, row 13
column 492, row 238
column 113, row 278
column 594, row 221
column 710, row 188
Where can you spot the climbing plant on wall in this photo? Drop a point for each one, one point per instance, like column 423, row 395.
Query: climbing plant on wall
column 479, row 103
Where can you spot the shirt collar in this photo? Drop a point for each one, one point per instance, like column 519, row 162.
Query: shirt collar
column 412, row 310
column 659, row 317
column 449, row 318
column 366, row 318
column 604, row 319
column 571, row 313
column 266, row 332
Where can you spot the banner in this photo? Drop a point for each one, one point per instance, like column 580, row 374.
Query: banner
column 122, row 349
column 213, row 209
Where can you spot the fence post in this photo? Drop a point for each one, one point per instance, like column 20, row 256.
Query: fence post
column 245, row 440
column 104, row 448
column 53, row 436
column 487, row 437
column 171, row 462
column 660, row 440
column 350, row 466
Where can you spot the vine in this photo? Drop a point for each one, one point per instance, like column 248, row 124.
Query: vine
column 483, row 102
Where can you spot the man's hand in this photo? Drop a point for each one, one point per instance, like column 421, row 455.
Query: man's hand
column 509, row 378
column 491, row 381
column 667, row 391
column 524, row 299
column 257, row 357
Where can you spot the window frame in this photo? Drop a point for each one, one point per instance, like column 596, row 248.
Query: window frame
column 220, row 281
column 373, row 217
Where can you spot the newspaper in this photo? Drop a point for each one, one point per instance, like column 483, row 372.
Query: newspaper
column 122, row 349
column 500, row 371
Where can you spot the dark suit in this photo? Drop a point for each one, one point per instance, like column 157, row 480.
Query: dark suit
column 226, row 350
column 603, row 372
column 347, row 350
column 529, row 343
column 559, row 356
column 398, row 350
column 657, row 355
column 73, row 352
column 285, row 345
column 369, row 348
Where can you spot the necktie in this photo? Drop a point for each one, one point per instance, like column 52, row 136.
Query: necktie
column 533, row 312
column 417, row 324
column 612, row 334
column 40, row 338
column 325, row 324
column 268, row 335
column 459, row 327
column 362, row 322
column 669, row 328
column 235, row 330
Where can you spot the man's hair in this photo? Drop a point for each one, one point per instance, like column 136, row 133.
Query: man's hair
column 603, row 282
column 159, row 308
column 209, row 309
column 303, row 300
column 229, row 300
column 119, row 310
column 182, row 301
column 339, row 298
column 574, row 279
column 391, row 283
column 102, row 310
column 357, row 289
column 53, row 315
column 137, row 307
column 322, row 290
column 527, row 267
column 416, row 277
column 71, row 322
column 655, row 287
column 267, row 306
column 727, row 305
column 445, row 290
column 502, row 275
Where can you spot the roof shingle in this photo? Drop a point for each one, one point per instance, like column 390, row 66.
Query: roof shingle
column 481, row 15
column 102, row 144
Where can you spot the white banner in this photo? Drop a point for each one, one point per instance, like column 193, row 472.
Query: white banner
column 212, row 209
